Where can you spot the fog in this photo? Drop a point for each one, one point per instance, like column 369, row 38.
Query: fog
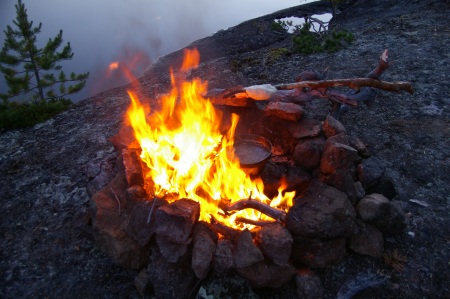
column 102, row 31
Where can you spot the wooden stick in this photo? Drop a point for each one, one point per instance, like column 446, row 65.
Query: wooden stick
column 253, row 204
column 222, row 228
column 355, row 83
column 254, row 222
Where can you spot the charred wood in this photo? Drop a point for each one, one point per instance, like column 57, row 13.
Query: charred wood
column 253, row 204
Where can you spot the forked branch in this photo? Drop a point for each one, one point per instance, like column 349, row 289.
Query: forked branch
column 252, row 204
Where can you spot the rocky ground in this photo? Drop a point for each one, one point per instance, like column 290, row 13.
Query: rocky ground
column 49, row 172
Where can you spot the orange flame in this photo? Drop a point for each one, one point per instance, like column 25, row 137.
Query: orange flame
column 113, row 65
column 186, row 155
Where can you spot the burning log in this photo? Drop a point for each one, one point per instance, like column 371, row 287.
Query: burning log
column 254, row 222
column 223, row 229
column 253, row 204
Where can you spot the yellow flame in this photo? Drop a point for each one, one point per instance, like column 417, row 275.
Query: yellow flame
column 185, row 151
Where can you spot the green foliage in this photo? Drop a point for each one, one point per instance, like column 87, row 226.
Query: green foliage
column 281, row 26
column 21, row 115
column 28, row 69
column 276, row 53
column 308, row 42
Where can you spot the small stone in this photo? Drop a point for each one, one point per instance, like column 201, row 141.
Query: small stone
column 297, row 179
column 343, row 181
column 203, row 249
column 110, row 221
column 175, row 221
column 307, row 153
column 171, row 251
column 275, row 242
column 309, row 285
column 132, row 165
column 249, row 261
column 339, row 138
column 124, row 138
column 393, row 222
column 382, row 213
column 246, row 252
column 332, row 126
column 258, row 274
column 336, row 156
column 288, row 111
column 137, row 226
column 360, row 146
column 371, row 206
column 280, row 274
column 170, row 280
column 136, row 193
column 305, row 128
column 370, row 171
column 142, row 283
column 274, row 174
column 223, row 257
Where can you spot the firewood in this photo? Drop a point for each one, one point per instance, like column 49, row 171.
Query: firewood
column 253, row 204
column 355, row 83
column 254, row 222
column 317, row 87
column 222, row 229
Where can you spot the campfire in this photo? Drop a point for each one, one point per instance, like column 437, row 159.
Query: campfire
column 211, row 183
column 186, row 153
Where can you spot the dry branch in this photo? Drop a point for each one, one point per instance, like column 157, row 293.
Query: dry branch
column 222, row 228
column 254, row 222
column 355, row 83
column 253, row 204
column 312, row 84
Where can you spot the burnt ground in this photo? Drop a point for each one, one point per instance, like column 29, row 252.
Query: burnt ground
column 49, row 172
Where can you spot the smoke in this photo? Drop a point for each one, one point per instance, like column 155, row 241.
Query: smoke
column 103, row 31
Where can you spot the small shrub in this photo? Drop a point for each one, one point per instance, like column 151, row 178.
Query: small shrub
column 278, row 26
column 281, row 26
column 21, row 115
column 308, row 42
column 338, row 40
column 275, row 54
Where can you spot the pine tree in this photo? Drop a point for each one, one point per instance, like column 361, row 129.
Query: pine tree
column 28, row 69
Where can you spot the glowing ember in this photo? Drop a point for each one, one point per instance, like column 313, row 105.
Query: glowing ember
column 113, row 65
column 183, row 147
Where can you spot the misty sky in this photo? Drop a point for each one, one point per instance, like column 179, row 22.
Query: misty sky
column 102, row 31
